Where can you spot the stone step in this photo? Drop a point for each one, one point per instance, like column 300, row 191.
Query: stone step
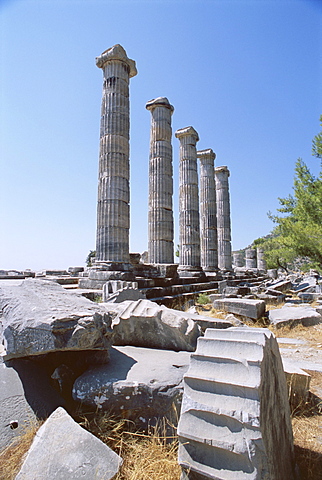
column 217, row 368
column 213, row 463
column 217, row 430
column 230, row 349
column 241, row 403
column 238, row 333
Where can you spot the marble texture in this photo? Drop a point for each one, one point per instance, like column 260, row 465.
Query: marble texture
column 160, row 217
column 223, row 219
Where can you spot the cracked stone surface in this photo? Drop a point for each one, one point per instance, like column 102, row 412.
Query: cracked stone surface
column 64, row 450
column 39, row 317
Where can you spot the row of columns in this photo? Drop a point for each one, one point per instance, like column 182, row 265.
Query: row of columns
column 204, row 226
column 254, row 259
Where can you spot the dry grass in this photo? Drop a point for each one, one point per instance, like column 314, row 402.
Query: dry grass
column 11, row 458
column 146, row 456
column 313, row 333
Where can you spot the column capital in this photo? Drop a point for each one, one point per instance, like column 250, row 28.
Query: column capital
column 184, row 132
column 159, row 102
column 206, row 154
column 222, row 169
column 116, row 52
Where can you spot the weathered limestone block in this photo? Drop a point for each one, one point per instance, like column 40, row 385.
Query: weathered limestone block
column 64, row 450
column 208, row 210
column 40, row 316
column 292, row 316
column 235, row 416
column 161, row 229
column 223, row 218
column 143, row 323
column 241, row 306
column 139, row 383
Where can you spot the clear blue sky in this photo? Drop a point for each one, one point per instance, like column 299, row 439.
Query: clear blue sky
column 246, row 74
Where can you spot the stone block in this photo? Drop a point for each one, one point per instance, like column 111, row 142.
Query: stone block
column 291, row 316
column 308, row 297
column 168, row 270
column 64, row 450
column 282, row 285
column 235, row 415
column 272, row 273
column 298, row 383
column 40, row 316
column 137, row 382
column 254, row 309
column 271, row 299
column 143, row 323
column 124, row 294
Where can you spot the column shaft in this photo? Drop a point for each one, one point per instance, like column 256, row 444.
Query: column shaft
column 251, row 258
column 189, row 233
column 261, row 262
column 223, row 218
column 113, row 214
column 208, row 219
column 160, row 216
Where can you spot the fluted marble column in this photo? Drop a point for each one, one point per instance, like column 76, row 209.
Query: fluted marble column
column 208, row 219
column 261, row 262
column 238, row 260
column 160, row 217
column 189, row 233
column 113, row 215
column 223, row 218
column 251, row 258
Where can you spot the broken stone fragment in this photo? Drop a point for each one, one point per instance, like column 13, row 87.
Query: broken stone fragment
column 64, row 450
column 143, row 323
column 40, row 317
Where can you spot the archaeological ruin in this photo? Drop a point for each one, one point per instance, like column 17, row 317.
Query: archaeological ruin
column 129, row 335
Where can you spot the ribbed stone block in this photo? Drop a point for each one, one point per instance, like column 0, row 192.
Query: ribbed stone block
column 223, row 218
column 235, row 415
column 208, row 219
column 113, row 213
column 189, row 233
column 160, row 217
column 251, row 258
